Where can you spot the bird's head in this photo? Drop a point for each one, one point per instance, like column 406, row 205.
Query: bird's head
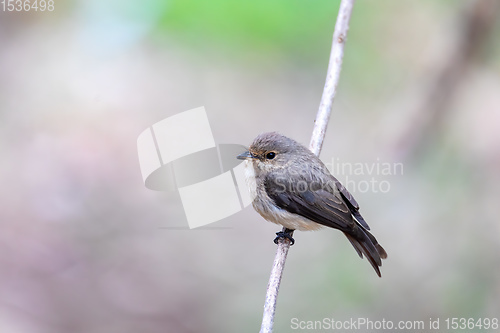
column 272, row 151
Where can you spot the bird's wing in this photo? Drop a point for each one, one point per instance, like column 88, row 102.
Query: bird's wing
column 325, row 206
column 315, row 203
column 351, row 203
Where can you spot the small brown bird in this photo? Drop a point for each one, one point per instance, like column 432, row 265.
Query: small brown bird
column 292, row 187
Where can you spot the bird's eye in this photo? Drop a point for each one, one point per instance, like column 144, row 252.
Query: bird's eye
column 270, row 155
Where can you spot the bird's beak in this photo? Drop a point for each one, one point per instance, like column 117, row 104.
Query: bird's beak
column 244, row 156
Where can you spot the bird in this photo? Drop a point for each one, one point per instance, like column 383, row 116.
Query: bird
column 292, row 187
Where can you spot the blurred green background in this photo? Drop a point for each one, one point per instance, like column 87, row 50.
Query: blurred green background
column 86, row 247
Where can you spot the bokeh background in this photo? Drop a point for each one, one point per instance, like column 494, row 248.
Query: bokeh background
column 86, row 247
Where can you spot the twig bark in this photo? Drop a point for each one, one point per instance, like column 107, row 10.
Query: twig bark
column 318, row 135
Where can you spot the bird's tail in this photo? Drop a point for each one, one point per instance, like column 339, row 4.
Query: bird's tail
column 365, row 243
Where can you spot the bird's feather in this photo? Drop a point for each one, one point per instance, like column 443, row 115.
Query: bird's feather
column 351, row 203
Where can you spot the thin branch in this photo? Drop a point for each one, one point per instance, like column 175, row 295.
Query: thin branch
column 274, row 285
column 332, row 76
column 318, row 135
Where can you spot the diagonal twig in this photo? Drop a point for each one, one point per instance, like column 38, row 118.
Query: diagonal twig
column 318, row 135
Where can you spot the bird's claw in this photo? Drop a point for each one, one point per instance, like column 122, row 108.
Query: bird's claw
column 284, row 234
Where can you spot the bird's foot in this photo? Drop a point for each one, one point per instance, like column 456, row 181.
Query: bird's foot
column 287, row 233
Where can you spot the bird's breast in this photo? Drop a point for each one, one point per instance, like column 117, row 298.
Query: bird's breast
column 266, row 207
